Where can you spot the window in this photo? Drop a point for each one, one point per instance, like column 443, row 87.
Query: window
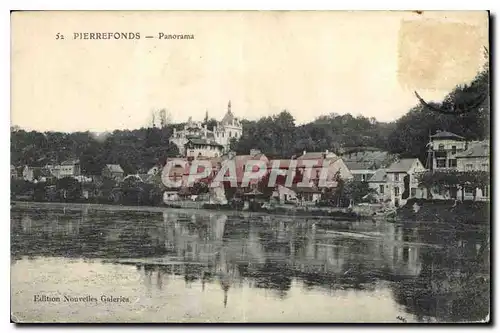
column 381, row 189
column 230, row 134
column 441, row 163
column 484, row 167
column 396, row 177
column 453, row 150
column 469, row 167
column 413, row 192
column 441, row 147
column 363, row 178
column 452, row 163
column 396, row 191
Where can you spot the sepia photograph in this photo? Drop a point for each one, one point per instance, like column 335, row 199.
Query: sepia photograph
column 250, row 167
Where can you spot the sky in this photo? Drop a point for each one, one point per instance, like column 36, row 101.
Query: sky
column 309, row 63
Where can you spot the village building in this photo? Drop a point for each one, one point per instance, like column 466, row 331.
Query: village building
column 379, row 183
column 113, row 171
column 227, row 129
column 335, row 167
column 284, row 195
column 241, row 162
column 475, row 158
column 364, row 162
column 361, row 171
column 403, row 182
column 291, row 183
column 196, row 147
column 443, row 149
column 36, row 174
column 69, row 168
column 308, row 195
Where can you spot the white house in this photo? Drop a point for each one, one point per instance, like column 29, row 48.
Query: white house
column 379, row 183
column 403, row 182
column 69, row 168
column 475, row 158
column 284, row 194
column 443, row 148
column 228, row 128
column 196, row 147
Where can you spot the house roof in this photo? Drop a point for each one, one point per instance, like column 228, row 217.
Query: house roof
column 403, row 165
column 40, row 172
column 240, row 165
column 228, row 118
column 379, row 176
column 367, row 159
column 283, row 164
column 360, row 165
column 306, row 189
column 446, row 135
column 114, row 167
column 300, row 164
column 476, row 149
column 199, row 141
column 71, row 162
column 316, row 155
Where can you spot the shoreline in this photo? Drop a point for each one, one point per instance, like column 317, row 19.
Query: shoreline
column 109, row 207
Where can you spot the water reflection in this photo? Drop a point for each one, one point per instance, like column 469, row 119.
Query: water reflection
column 435, row 271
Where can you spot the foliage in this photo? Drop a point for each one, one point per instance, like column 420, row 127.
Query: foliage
column 444, row 181
column 279, row 137
column 69, row 188
column 410, row 134
column 21, row 186
column 134, row 150
column 199, row 188
column 356, row 190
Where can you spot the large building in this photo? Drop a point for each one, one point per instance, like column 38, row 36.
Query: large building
column 443, row 149
column 228, row 128
column 403, row 182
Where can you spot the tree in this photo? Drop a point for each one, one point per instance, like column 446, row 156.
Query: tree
column 199, row 188
column 411, row 132
column 445, row 182
column 69, row 188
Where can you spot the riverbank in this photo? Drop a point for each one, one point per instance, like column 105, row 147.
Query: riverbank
column 466, row 212
column 340, row 215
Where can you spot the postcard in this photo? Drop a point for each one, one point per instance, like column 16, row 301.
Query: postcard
column 250, row 167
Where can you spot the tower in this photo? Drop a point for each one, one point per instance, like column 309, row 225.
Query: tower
column 229, row 106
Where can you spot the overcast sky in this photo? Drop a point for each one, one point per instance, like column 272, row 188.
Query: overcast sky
column 310, row 63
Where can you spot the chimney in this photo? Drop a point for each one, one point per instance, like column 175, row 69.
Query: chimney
column 304, row 152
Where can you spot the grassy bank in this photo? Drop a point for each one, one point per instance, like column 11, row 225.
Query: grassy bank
column 468, row 212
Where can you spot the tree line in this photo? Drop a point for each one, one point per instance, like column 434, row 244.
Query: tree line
column 277, row 136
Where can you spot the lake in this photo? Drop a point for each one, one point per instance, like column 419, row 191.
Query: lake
column 85, row 263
